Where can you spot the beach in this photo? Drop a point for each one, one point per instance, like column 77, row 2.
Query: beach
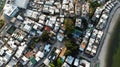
column 104, row 50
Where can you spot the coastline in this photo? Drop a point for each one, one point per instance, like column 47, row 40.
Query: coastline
column 104, row 50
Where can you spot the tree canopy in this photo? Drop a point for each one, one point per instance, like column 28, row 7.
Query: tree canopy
column 52, row 65
column 59, row 62
column 93, row 6
column 69, row 26
column 45, row 36
column 72, row 49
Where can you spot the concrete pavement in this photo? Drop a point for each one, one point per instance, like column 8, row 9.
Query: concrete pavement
column 102, row 56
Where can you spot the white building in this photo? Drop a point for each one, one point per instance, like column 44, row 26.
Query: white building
column 10, row 10
column 78, row 22
column 65, row 65
column 60, row 37
column 31, row 14
column 46, row 62
column 12, row 62
column 69, row 59
column 22, row 3
column 25, row 60
column 86, row 63
column 20, row 50
column 76, row 62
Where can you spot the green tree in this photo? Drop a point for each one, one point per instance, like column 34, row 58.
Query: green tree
column 52, row 65
column 93, row 6
column 45, row 36
column 1, row 23
column 68, row 44
column 68, row 52
column 59, row 62
column 72, row 49
column 69, row 26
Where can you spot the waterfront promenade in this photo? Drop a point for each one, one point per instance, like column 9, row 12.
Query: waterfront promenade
column 103, row 53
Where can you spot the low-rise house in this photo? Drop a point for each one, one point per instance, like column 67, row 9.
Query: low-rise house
column 100, row 34
column 94, row 50
column 20, row 50
column 76, row 62
column 11, row 43
column 46, row 9
column 1, row 61
column 65, row 65
column 42, row 17
column 31, row 14
column 24, row 60
column 77, row 8
column 71, row 8
column 93, row 42
column 39, row 1
column 84, row 63
column 27, row 25
column 7, row 56
column 60, row 37
column 65, row 2
column 12, row 62
column 69, row 60
column 38, row 26
column 41, row 22
column 46, row 62
column 3, row 49
column 85, row 9
column 47, row 28
column 32, row 60
column 94, row 33
column 62, row 19
column 102, row 22
column 52, row 10
column 47, row 47
column 98, row 12
column 39, row 55
column 49, row 23
column 57, row 51
column 78, row 22
column 19, row 34
column 83, row 45
column 56, row 28
column 20, row 18
column 49, row 2
column 65, row 7
column 89, row 48
column 29, row 54
column 57, row 4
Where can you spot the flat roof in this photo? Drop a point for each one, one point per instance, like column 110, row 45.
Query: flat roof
column 10, row 9
column 22, row 3
column 11, row 30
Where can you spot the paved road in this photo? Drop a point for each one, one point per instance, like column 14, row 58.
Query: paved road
column 57, row 45
column 102, row 56
column 95, row 59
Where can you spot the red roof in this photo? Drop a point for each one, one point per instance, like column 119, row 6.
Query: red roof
column 47, row 28
column 29, row 54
